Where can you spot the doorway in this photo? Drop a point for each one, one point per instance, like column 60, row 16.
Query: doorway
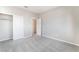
column 34, row 24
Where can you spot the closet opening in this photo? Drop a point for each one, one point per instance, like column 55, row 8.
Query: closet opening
column 6, row 27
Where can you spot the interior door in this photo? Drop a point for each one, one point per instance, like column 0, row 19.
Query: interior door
column 39, row 26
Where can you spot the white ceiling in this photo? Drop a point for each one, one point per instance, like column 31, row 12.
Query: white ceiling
column 38, row 9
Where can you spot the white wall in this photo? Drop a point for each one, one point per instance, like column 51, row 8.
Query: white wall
column 59, row 23
column 20, row 29
column 75, row 13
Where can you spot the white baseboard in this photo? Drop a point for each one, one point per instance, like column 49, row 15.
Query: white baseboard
column 24, row 37
column 17, row 39
column 28, row 36
column 5, row 39
column 60, row 40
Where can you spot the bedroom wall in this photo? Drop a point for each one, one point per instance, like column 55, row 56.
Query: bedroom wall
column 75, row 12
column 60, row 23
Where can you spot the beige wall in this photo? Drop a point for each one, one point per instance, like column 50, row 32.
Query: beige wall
column 75, row 13
column 62, row 24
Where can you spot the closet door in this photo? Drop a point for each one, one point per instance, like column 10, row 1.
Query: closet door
column 18, row 27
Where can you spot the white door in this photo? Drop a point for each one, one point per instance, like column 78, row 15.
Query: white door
column 5, row 30
column 39, row 26
column 18, row 27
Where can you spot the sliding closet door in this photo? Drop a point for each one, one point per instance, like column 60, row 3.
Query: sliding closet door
column 5, row 29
